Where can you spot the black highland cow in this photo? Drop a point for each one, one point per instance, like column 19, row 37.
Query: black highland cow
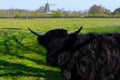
column 83, row 56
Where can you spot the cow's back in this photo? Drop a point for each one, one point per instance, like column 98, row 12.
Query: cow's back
column 99, row 56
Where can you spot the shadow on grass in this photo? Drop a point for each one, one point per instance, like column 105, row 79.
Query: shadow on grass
column 14, row 46
column 14, row 69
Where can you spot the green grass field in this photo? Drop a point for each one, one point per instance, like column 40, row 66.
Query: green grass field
column 21, row 58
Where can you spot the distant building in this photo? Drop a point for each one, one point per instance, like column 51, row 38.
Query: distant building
column 47, row 9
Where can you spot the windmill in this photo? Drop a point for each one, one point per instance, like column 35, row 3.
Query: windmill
column 47, row 8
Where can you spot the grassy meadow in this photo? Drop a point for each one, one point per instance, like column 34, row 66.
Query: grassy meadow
column 21, row 58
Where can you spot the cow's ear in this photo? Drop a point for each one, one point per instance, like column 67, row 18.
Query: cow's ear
column 40, row 40
column 71, row 40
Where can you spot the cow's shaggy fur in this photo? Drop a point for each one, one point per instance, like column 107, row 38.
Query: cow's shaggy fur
column 83, row 56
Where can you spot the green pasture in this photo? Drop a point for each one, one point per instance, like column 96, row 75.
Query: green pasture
column 21, row 58
column 45, row 24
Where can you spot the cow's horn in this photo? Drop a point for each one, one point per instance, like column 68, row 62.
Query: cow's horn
column 38, row 34
column 77, row 31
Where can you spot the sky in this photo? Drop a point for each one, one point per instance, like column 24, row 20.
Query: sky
column 77, row 5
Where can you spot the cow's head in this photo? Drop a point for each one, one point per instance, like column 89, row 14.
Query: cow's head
column 56, row 42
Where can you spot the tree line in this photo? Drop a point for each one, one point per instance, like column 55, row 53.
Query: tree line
column 94, row 11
